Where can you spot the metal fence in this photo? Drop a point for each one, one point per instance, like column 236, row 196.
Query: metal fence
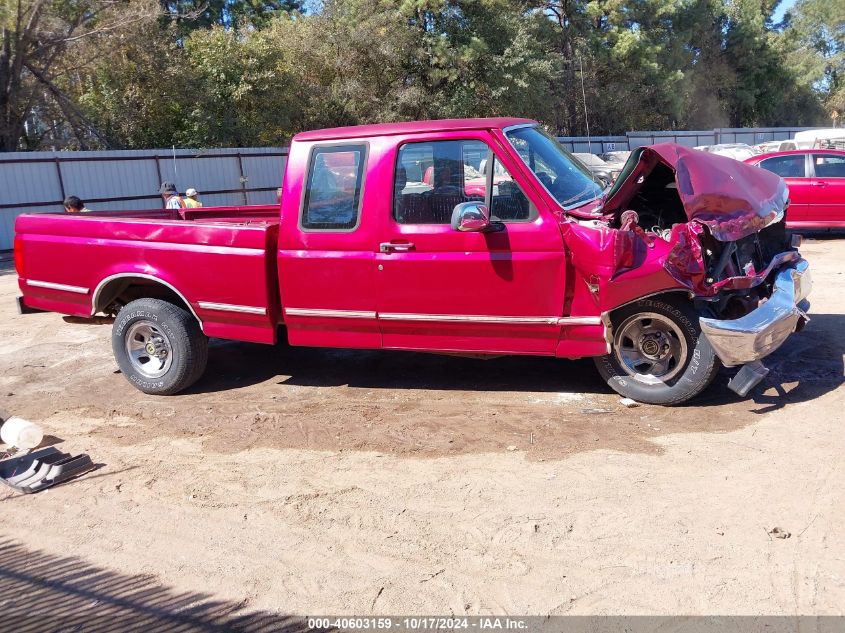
column 38, row 182
column 691, row 138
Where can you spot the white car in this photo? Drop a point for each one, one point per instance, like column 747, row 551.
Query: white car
column 737, row 151
column 825, row 138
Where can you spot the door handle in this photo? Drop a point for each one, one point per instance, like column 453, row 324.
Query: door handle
column 395, row 247
column 820, row 184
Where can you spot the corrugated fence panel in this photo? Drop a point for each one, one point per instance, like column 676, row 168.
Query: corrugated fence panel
column 222, row 199
column 263, row 172
column 203, row 174
column 104, row 179
column 125, row 180
column 29, row 182
column 125, row 205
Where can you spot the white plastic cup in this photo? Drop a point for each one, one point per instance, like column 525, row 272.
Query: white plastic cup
column 21, row 433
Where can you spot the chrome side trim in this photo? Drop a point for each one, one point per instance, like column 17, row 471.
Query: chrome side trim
column 110, row 278
column 53, row 286
column 442, row 318
column 231, row 307
column 580, row 320
column 331, row 314
column 467, row 318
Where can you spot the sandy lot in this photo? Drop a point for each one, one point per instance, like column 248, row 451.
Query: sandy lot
column 300, row 481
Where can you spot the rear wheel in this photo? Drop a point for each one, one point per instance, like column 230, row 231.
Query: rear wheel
column 658, row 355
column 159, row 346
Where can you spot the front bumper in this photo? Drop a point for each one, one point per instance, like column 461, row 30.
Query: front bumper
column 763, row 330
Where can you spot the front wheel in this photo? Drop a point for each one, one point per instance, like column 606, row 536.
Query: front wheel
column 159, row 346
column 658, row 355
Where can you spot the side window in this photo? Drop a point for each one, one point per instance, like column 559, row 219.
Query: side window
column 333, row 189
column 829, row 166
column 508, row 202
column 435, row 176
column 791, row 166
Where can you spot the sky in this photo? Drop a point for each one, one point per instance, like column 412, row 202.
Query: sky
column 784, row 6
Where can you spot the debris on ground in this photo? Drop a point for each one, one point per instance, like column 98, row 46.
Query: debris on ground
column 21, row 434
column 779, row 532
column 42, row 469
column 629, row 403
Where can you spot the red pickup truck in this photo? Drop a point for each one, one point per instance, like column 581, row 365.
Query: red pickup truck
column 474, row 236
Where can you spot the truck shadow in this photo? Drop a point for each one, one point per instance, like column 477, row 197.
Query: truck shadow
column 423, row 405
column 44, row 592
column 809, row 365
column 243, row 364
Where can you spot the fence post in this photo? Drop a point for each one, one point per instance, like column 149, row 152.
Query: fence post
column 243, row 178
column 61, row 180
column 158, row 172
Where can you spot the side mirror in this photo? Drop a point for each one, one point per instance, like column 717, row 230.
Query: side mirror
column 471, row 216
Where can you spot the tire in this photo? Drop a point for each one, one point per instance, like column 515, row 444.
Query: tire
column 658, row 355
column 159, row 346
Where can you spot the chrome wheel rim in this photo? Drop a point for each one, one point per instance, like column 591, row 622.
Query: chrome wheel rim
column 149, row 350
column 650, row 348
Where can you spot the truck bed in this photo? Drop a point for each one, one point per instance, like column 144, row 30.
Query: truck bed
column 244, row 215
column 220, row 261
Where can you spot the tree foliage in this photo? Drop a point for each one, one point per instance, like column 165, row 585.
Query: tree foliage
column 141, row 73
column 815, row 45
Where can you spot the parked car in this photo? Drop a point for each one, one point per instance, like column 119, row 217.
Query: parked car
column 824, row 138
column 657, row 284
column 767, row 147
column 816, row 182
column 737, row 151
column 615, row 161
column 600, row 169
column 616, row 156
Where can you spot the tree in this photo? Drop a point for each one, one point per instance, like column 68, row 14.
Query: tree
column 135, row 87
column 814, row 43
column 37, row 36
column 242, row 91
column 201, row 14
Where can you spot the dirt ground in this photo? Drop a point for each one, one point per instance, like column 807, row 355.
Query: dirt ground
column 308, row 481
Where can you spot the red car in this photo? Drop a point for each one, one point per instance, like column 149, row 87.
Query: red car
column 507, row 247
column 816, row 181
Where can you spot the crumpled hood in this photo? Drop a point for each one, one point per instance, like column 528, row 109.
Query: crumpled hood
column 731, row 198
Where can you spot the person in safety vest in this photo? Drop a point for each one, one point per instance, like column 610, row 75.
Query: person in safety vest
column 190, row 199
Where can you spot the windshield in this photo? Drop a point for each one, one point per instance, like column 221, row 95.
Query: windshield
column 563, row 176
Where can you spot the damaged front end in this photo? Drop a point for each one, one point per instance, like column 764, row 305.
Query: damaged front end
column 716, row 228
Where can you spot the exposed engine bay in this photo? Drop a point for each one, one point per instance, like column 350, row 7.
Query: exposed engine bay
column 657, row 203
column 719, row 224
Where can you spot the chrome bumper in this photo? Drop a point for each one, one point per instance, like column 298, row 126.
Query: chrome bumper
column 762, row 331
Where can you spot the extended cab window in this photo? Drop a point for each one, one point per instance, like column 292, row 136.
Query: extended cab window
column 829, row 166
column 791, row 166
column 433, row 177
column 333, row 188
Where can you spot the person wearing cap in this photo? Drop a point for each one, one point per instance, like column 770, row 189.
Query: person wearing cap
column 191, row 201
column 73, row 204
column 171, row 197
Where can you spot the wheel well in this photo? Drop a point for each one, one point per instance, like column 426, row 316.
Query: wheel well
column 609, row 318
column 116, row 293
column 674, row 293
